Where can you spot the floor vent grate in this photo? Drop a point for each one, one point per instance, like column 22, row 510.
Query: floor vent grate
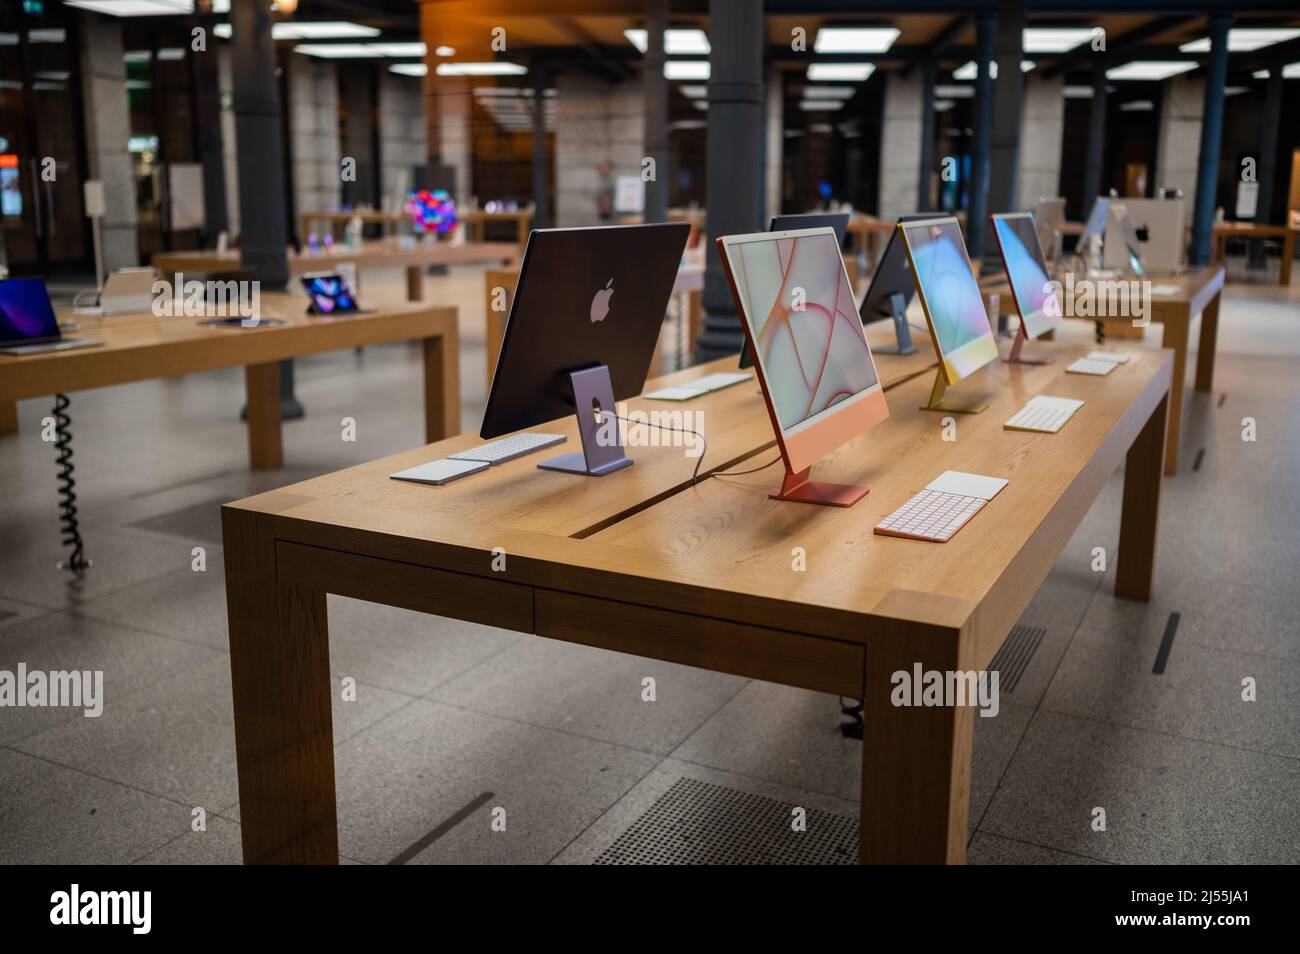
column 1014, row 656
column 696, row 823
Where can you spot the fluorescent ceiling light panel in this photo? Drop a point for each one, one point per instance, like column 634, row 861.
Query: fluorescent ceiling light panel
column 947, row 91
column 1291, row 71
column 1078, row 92
column 337, row 51
column 1245, row 39
column 854, row 39
column 321, row 30
column 828, row 92
column 1054, row 39
column 967, row 70
column 694, row 92
column 1149, row 70
column 133, row 8
column 809, row 105
column 44, row 35
column 840, row 72
column 678, row 42
column 686, row 69
column 409, row 69
column 1260, row 74
column 1137, row 106
column 399, row 49
column 481, row 69
column 445, row 50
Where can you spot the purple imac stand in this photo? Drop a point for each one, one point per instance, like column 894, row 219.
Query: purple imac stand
column 602, row 444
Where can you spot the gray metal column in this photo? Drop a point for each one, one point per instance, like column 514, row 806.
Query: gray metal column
column 1008, row 104
column 1096, row 138
column 656, row 110
column 924, row 201
column 1207, row 167
column 259, row 150
column 207, row 114
column 541, row 162
column 977, row 207
column 1266, row 173
column 259, row 153
column 735, row 130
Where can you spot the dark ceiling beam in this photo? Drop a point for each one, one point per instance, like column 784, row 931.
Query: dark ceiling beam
column 854, row 8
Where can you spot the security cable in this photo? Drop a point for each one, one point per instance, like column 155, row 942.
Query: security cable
column 69, row 525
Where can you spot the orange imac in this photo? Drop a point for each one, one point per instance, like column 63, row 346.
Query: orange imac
column 953, row 305
column 819, row 379
column 1031, row 285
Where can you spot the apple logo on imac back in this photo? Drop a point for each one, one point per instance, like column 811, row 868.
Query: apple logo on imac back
column 600, row 302
column 1143, row 233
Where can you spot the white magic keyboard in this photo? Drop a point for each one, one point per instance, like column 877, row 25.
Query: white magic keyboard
column 1092, row 366
column 942, row 508
column 1043, row 413
column 508, row 448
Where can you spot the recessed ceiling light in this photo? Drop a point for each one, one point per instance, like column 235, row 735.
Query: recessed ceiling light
column 943, row 105
column 409, row 69
column 954, row 92
column 854, row 39
column 481, row 69
column 694, row 92
column 1245, row 39
column 809, row 105
column 1137, row 106
column 828, row 92
column 1149, row 70
column 840, row 72
column 1260, row 74
column 679, row 42
column 686, row 69
column 337, row 51
column 44, row 35
column 1054, row 39
column 1291, row 71
column 1078, row 92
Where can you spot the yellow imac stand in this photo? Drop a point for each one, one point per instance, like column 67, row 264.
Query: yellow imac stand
column 952, row 405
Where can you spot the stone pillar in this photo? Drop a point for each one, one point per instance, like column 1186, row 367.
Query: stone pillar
column 1266, row 162
column 402, row 147
column 1180, row 134
column 541, row 165
column 735, row 129
column 314, row 134
column 1008, row 108
column 1042, row 128
column 229, row 150
column 900, row 145
column 598, row 131
column 207, row 118
column 108, row 126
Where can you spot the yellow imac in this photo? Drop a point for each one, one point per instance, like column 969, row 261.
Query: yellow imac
column 953, row 305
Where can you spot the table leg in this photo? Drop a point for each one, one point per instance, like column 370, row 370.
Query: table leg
column 441, row 386
column 280, row 675
column 1135, row 562
column 8, row 417
column 915, row 759
column 1209, row 341
column 1176, row 338
column 1288, row 253
column 262, row 398
column 415, row 283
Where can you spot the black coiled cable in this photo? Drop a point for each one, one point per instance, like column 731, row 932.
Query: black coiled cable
column 69, row 526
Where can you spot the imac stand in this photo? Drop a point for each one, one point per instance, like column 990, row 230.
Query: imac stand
column 602, row 444
column 799, row 488
column 951, row 405
column 1015, row 357
column 902, row 330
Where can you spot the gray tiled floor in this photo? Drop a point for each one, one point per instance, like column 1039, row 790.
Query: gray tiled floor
column 451, row 716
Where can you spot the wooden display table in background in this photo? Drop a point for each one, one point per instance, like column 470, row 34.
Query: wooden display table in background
column 143, row 347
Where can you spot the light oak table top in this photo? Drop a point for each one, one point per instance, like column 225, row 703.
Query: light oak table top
column 644, row 562
column 382, row 253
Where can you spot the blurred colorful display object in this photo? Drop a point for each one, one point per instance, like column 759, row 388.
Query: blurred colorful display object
column 432, row 211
